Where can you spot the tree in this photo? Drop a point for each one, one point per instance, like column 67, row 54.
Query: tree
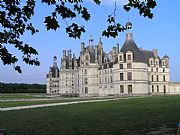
column 15, row 21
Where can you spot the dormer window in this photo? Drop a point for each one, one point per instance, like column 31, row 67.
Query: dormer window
column 163, row 63
column 129, row 57
column 156, row 62
column 120, row 58
column 151, row 62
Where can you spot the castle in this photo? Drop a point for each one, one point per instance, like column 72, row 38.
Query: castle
column 124, row 71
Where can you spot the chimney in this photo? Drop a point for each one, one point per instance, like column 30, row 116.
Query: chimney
column 117, row 48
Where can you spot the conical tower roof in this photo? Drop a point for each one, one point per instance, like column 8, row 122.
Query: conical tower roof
column 130, row 45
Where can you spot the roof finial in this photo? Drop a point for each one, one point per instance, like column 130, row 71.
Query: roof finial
column 128, row 25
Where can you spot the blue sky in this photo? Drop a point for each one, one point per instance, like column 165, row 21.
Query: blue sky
column 162, row 33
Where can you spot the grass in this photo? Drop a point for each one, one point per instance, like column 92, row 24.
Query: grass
column 138, row 116
column 22, row 95
column 26, row 103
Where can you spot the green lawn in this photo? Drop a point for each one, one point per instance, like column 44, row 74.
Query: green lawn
column 138, row 116
column 25, row 103
column 22, row 95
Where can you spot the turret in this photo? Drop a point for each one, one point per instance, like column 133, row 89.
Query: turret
column 100, row 44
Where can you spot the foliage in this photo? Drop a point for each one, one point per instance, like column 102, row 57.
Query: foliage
column 22, row 88
column 123, row 117
column 15, row 21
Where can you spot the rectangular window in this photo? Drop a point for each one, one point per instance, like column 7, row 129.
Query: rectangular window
column 129, row 65
column 164, row 87
column 164, row 78
column 86, row 81
column 129, row 89
column 152, row 88
column 157, row 77
column 156, row 62
column 163, row 70
column 121, row 88
column 157, row 88
column 111, row 79
column 86, row 90
column 152, row 78
column 129, row 57
column 151, row 62
column 120, row 66
column 121, row 76
column 110, row 70
column 85, row 71
column 120, row 58
column 129, row 76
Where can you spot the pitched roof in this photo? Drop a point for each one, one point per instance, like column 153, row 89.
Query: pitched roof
column 130, row 45
column 147, row 54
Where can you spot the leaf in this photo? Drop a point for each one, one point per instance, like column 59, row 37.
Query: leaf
column 18, row 69
column 51, row 23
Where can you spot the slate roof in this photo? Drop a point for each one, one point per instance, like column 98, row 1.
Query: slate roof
column 147, row 54
column 92, row 54
column 104, row 65
column 165, row 56
column 53, row 70
column 130, row 45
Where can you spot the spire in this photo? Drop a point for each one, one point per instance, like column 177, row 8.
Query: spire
column 100, row 40
column 91, row 40
column 55, row 61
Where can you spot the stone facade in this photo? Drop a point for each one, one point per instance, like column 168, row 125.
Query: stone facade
column 126, row 71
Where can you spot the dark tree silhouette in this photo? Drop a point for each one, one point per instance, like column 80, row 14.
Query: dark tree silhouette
column 15, row 21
